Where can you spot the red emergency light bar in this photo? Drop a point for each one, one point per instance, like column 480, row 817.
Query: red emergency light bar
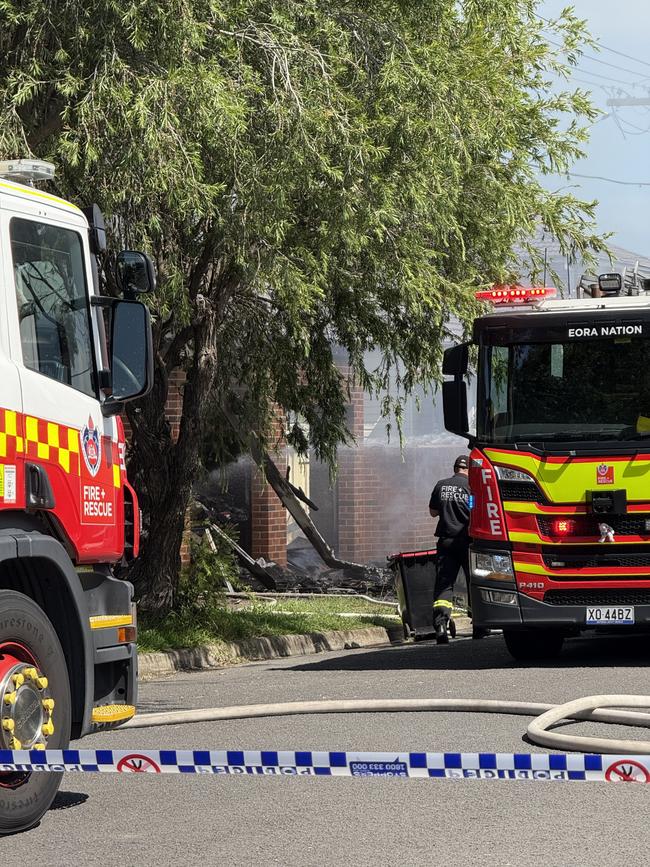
column 516, row 294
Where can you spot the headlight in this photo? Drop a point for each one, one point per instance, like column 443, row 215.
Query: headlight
column 490, row 565
column 507, row 474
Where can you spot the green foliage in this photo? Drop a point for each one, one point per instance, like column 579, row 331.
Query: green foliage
column 313, row 172
column 203, row 582
column 215, row 623
column 306, row 174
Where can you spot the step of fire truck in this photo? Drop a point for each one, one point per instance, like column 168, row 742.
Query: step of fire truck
column 112, row 713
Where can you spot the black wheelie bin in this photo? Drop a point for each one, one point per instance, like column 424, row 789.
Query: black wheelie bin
column 415, row 580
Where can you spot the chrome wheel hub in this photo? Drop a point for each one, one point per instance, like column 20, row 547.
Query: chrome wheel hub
column 26, row 708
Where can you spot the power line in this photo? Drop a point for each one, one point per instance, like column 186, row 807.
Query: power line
column 613, row 65
column 607, row 48
column 609, row 78
column 598, row 60
column 639, row 130
column 623, row 54
column 606, row 78
column 610, row 180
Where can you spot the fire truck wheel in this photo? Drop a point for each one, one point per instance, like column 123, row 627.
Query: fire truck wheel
column 533, row 644
column 35, row 709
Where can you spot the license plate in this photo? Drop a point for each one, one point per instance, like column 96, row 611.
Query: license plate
column 602, row 616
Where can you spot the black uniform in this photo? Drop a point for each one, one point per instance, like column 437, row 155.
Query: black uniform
column 450, row 498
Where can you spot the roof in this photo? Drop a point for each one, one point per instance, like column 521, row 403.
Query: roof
column 550, row 320
column 570, row 272
column 610, row 304
column 21, row 191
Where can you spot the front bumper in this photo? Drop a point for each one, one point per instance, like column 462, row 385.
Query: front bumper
column 531, row 613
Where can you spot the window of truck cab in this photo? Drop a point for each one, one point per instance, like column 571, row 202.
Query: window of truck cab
column 581, row 389
column 53, row 307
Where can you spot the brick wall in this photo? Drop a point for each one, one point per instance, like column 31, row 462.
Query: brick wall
column 268, row 515
column 173, row 412
column 353, row 484
column 383, row 497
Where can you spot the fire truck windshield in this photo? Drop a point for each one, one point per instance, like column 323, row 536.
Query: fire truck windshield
column 573, row 390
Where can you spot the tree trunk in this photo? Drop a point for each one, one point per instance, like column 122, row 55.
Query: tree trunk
column 163, row 471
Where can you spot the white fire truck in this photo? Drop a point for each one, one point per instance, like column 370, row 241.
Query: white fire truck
column 560, row 465
column 69, row 360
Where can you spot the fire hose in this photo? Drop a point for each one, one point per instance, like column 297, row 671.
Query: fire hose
column 592, row 708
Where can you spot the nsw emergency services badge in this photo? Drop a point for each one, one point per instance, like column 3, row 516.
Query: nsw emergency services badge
column 91, row 447
column 605, row 474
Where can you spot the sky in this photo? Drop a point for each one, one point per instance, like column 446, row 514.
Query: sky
column 620, row 143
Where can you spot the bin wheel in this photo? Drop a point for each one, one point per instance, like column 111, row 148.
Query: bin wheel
column 408, row 632
column 35, row 702
column 529, row 645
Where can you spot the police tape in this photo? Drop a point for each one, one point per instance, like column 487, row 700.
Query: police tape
column 487, row 766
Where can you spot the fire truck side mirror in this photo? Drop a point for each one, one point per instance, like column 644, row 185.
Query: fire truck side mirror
column 454, row 393
column 134, row 273
column 454, row 404
column 455, row 361
column 131, row 354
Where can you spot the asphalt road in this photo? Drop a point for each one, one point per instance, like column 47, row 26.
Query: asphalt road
column 148, row 819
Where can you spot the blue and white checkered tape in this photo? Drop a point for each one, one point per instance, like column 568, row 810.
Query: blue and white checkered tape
column 492, row 766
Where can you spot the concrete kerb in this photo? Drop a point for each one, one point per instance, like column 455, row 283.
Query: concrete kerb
column 164, row 664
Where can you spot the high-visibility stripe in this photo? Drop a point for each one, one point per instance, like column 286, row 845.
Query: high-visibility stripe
column 46, row 197
column 532, row 568
column 566, row 479
column 110, row 621
column 533, row 538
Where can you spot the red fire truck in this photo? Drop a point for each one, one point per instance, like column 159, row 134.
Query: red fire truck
column 70, row 359
column 559, row 467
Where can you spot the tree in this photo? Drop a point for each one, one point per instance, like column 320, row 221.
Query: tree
column 305, row 173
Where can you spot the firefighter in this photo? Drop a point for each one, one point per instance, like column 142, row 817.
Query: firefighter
column 449, row 503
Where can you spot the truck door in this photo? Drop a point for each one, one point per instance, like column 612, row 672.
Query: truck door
column 69, row 448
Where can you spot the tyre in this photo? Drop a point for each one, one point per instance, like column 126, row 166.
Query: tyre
column 34, row 706
column 533, row 644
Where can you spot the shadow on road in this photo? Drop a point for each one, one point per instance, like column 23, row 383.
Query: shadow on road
column 489, row 653
column 67, row 800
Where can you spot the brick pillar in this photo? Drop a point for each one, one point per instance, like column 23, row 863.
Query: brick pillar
column 174, row 413
column 268, row 515
column 174, row 405
column 351, row 481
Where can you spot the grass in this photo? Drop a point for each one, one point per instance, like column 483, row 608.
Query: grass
column 217, row 622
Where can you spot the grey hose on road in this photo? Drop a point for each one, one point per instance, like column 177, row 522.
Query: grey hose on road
column 545, row 715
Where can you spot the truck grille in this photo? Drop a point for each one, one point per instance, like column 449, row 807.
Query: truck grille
column 523, row 491
column 587, row 525
column 597, row 561
column 598, row 597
